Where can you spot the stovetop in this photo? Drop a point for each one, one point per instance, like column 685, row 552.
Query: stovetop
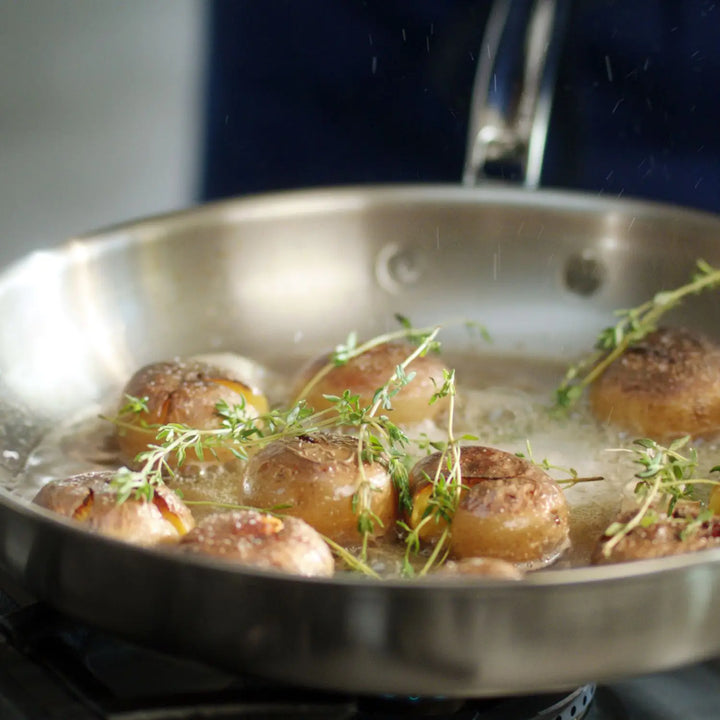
column 53, row 668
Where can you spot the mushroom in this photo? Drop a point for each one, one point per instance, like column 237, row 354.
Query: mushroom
column 257, row 539
column 318, row 478
column 474, row 567
column 665, row 386
column 507, row 508
column 185, row 392
column 91, row 500
column 666, row 535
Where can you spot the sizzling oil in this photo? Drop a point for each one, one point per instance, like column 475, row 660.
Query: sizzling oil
column 502, row 401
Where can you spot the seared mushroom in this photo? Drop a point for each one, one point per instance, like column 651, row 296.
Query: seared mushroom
column 184, row 392
column 364, row 374
column 90, row 499
column 257, row 539
column 508, row 508
column 667, row 385
column 480, row 567
column 667, row 535
column 315, row 477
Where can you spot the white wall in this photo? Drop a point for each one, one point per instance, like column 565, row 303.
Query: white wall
column 100, row 104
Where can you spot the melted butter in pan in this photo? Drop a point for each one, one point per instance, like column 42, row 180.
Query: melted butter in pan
column 503, row 401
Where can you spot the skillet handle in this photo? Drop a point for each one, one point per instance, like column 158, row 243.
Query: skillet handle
column 513, row 91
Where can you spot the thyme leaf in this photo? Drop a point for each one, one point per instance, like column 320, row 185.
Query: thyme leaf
column 134, row 405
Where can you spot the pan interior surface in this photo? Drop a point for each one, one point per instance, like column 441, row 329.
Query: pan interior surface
column 286, row 276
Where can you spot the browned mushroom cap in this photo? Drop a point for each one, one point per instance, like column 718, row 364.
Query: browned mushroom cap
column 184, row 392
column 481, row 567
column 667, row 385
column 91, row 500
column 508, row 508
column 314, row 477
column 250, row 537
column 364, row 374
column 662, row 538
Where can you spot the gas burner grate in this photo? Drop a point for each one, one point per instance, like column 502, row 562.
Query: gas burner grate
column 557, row 706
column 57, row 669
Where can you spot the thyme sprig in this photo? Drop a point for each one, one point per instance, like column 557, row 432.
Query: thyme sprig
column 174, row 441
column 666, row 478
column 379, row 439
column 634, row 324
column 239, row 432
column 446, row 487
column 572, row 479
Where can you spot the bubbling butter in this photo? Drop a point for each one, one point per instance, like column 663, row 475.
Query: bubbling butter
column 502, row 401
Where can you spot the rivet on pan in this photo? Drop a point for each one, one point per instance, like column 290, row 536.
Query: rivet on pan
column 398, row 266
column 583, row 274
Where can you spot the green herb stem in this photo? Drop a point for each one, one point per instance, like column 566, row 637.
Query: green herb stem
column 636, row 519
column 433, row 559
column 445, row 494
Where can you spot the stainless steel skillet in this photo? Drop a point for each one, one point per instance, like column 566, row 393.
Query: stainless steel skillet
column 292, row 273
